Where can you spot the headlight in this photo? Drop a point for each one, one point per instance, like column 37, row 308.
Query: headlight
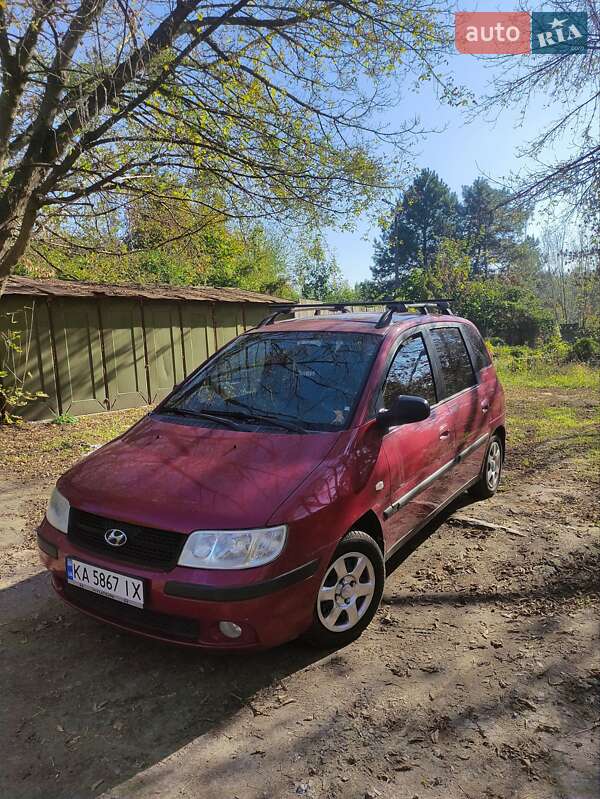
column 233, row 549
column 58, row 511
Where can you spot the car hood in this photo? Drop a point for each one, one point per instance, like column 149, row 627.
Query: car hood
column 183, row 476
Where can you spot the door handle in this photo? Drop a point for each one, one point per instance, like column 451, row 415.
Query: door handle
column 485, row 406
column 444, row 433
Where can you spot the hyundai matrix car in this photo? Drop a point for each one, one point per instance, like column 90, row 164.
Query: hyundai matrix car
column 260, row 501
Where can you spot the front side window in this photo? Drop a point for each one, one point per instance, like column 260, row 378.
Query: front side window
column 310, row 379
column 410, row 373
column 455, row 363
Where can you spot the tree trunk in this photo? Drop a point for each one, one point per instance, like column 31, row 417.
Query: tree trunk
column 16, row 223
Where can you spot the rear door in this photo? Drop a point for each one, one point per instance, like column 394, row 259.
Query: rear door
column 464, row 398
column 418, row 454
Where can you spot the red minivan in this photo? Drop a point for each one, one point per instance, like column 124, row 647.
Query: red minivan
column 261, row 499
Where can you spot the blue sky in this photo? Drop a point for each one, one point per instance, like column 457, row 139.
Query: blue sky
column 462, row 151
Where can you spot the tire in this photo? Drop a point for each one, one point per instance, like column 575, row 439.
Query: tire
column 339, row 620
column 491, row 471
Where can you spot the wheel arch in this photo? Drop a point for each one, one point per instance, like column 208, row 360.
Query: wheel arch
column 369, row 523
column 501, row 432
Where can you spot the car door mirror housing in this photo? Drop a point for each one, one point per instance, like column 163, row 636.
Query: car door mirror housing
column 404, row 409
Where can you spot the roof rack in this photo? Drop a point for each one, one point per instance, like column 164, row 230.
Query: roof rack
column 294, row 306
column 402, row 306
column 391, row 307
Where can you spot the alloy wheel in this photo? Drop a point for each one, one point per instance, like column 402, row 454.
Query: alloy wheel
column 493, row 465
column 346, row 592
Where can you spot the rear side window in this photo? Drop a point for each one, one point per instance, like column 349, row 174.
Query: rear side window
column 481, row 357
column 454, row 360
column 410, row 373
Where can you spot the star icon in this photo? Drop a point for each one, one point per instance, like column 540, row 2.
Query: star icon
column 558, row 23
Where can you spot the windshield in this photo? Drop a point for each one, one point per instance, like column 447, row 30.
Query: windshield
column 311, row 380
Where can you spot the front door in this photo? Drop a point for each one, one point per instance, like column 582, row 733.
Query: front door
column 419, row 454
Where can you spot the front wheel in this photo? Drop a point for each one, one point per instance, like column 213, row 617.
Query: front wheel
column 350, row 592
column 491, row 471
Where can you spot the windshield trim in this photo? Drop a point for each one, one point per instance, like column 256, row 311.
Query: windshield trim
column 187, row 385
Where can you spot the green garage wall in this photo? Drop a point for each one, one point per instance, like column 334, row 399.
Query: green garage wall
column 91, row 354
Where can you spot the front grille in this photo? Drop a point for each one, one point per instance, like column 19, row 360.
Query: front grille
column 145, row 546
column 176, row 628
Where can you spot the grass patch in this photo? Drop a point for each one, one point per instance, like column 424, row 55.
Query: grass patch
column 559, row 426
column 552, row 407
column 533, row 417
column 540, row 375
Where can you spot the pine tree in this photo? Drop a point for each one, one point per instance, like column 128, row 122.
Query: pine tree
column 422, row 218
column 492, row 228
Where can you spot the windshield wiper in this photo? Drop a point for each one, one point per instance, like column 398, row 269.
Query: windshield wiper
column 211, row 417
column 251, row 416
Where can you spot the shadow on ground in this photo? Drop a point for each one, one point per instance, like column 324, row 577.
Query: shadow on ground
column 86, row 708
column 83, row 700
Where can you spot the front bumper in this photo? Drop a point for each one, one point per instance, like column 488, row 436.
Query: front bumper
column 181, row 609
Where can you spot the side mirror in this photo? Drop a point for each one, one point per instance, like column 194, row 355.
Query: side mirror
column 404, row 409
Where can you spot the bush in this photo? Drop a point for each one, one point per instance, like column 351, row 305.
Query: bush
column 556, row 350
column 552, row 354
column 548, row 367
column 585, row 350
column 65, row 418
column 508, row 312
column 14, row 354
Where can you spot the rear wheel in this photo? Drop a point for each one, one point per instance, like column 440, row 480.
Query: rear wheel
column 349, row 593
column 491, row 470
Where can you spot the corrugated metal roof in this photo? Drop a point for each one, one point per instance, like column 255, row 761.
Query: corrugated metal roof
column 67, row 288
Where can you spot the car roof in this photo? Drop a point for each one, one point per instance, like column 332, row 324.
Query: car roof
column 355, row 322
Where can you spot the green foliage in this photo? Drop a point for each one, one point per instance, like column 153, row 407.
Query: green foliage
column 214, row 254
column 493, row 229
column 316, row 273
column 369, row 291
column 421, row 219
column 427, row 214
column 268, row 112
column 509, row 311
column 447, row 277
column 475, row 252
column 548, row 366
column 531, row 369
column 14, row 395
column 585, row 349
column 65, row 419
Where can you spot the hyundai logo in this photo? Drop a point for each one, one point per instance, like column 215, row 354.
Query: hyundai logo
column 116, row 538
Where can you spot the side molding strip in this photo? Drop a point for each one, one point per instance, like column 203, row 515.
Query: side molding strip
column 472, row 447
column 406, row 498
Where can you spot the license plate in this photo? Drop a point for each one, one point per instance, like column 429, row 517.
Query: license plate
column 102, row 581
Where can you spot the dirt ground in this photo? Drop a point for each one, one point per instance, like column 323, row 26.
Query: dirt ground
column 479, row 676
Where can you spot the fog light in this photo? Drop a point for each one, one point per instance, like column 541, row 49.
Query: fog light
column 229, row 629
